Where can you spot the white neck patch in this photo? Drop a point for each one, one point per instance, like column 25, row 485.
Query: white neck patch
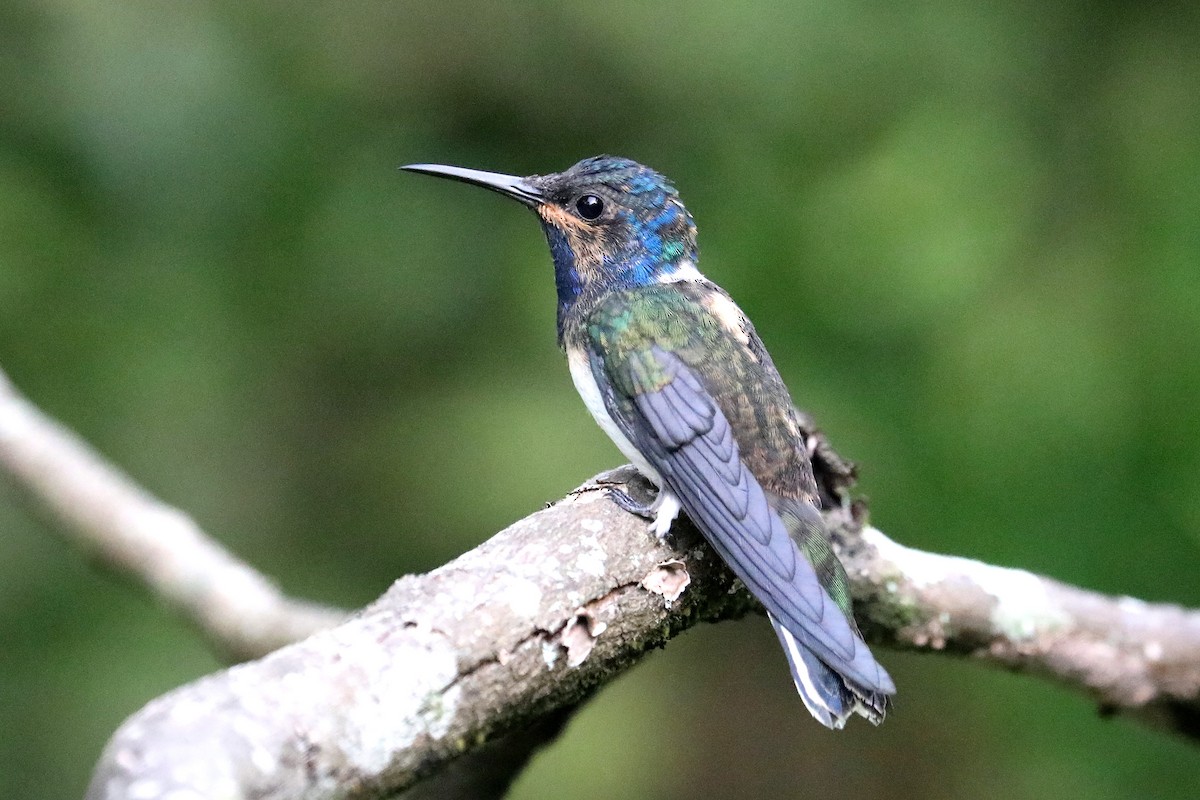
column 686, row 271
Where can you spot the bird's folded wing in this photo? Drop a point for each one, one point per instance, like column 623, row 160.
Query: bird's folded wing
column 664, row 409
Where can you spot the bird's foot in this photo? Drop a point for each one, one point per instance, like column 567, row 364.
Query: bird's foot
column 660, row 513
column 626, row 502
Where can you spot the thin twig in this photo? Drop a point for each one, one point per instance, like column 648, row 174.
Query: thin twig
column 98, row 508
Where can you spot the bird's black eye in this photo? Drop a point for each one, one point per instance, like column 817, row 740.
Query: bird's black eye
column 589, row 206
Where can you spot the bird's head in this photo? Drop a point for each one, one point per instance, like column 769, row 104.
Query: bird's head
column 611, row 223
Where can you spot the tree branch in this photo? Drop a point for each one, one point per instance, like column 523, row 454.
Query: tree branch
column 237, row 609
column 1131, row 657
column 548, row 610
column 486, row 656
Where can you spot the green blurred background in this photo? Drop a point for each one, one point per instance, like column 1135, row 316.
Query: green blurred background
column 970, row 237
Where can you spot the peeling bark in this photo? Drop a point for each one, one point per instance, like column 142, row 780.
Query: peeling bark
column 530, row 622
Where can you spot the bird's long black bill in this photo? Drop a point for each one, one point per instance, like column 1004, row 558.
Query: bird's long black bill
column 508, row 185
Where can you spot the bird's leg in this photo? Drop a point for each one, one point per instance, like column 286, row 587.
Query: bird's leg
column 666, row 509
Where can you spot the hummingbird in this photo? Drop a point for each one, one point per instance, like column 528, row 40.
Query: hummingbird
column 675, row 374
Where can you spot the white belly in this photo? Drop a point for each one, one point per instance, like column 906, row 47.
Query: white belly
column 666, row 506
column 585, row 384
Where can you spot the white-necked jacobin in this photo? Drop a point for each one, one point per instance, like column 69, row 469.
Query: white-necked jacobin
column 675, row 374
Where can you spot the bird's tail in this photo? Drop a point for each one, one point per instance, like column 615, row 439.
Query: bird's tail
column 829, row 697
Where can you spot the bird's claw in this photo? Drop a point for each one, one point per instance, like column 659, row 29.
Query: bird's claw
column 626, row 502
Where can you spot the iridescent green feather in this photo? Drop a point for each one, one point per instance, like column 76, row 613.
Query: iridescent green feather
column 743, row 382
column 813, row 542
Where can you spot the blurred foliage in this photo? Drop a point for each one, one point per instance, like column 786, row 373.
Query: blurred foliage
column 969, row 235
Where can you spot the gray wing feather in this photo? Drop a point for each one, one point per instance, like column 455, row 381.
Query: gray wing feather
column 687, row 438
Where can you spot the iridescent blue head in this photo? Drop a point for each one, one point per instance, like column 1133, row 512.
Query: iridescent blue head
column 611, row 224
